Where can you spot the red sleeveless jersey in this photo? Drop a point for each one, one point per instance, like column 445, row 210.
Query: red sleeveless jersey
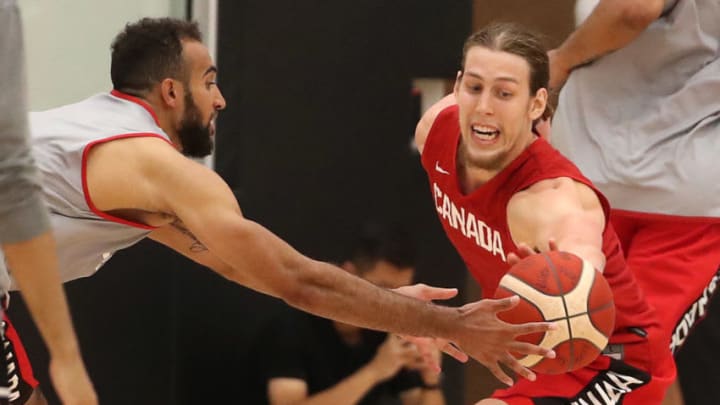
column 476, row 223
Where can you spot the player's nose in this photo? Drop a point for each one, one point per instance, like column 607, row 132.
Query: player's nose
column 219, row 101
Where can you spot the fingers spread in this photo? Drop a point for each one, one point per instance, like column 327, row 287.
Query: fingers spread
column 515, row 365
column 500, row 374
column 437, row 293
column 533, row 327
column 426, row 293
column 454, row 352
column 503, row 304
column 531, row 349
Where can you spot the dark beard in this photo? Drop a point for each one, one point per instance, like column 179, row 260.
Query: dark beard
column 194, row 136
column 496, row 163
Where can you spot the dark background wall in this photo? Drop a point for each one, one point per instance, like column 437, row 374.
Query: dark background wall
column 317, row 136
column 314, row 142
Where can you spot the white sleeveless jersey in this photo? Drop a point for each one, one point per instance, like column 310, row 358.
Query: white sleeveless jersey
column 643, row 122
column 61, row 138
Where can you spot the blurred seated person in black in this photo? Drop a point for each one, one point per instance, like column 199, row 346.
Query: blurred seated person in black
column 313, row 360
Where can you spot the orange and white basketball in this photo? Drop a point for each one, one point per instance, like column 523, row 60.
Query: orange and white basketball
column 562, row 288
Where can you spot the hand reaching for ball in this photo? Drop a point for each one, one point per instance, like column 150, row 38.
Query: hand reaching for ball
column 559, row 287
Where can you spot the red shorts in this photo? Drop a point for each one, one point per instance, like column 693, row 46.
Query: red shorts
column 676, row 261
column 640, row 377
column 18, row 382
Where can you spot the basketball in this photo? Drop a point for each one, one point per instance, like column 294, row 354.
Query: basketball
column 562, row 288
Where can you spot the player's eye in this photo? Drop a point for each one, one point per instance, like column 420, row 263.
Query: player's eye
column 504, row 94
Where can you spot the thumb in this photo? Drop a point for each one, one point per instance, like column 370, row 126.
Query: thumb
column 438, row 293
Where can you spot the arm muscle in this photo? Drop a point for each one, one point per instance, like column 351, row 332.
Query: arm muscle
column 571, row 214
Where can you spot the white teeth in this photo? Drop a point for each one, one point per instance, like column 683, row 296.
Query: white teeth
column 483, row 128
column 485, row 132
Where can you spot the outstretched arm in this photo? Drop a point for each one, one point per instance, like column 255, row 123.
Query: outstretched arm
column 612, row 25
column 150, row 175
column 571, row 216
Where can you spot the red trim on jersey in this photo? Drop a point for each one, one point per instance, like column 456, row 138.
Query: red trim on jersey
column 142, row 103
column 86, row 193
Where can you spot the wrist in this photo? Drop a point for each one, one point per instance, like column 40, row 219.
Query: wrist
column 372, row 373
column 450, row 325
column 65, row 353
column 560, row 65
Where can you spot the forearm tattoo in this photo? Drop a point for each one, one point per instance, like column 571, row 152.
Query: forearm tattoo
column 196, row 245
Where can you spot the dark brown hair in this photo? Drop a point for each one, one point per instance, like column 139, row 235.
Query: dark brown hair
column 149, row 51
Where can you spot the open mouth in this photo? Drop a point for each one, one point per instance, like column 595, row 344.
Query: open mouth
column 484, row 132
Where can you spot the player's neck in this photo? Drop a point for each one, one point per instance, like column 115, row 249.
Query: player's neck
column 471, row 177
column 165, row 119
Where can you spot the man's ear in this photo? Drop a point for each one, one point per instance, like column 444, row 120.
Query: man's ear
column 456, row 86
column 170, row 92
column 538, row 104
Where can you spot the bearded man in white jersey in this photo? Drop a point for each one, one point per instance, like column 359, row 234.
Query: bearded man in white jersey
column 116, row 170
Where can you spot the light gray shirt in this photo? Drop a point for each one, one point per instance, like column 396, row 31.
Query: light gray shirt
column 643, row 122
column 23, row 214
column 61, row 138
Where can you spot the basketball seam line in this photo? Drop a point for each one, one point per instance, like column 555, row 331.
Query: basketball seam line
column 556, row 276
column 592, row 311
column 526, row 300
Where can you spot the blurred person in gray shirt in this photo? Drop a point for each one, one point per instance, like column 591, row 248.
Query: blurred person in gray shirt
column 27, row 244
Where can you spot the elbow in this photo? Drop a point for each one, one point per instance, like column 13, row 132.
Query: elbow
column 639, row 14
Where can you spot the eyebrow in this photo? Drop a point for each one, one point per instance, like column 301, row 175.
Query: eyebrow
column 501, row 78
column 211, row 69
